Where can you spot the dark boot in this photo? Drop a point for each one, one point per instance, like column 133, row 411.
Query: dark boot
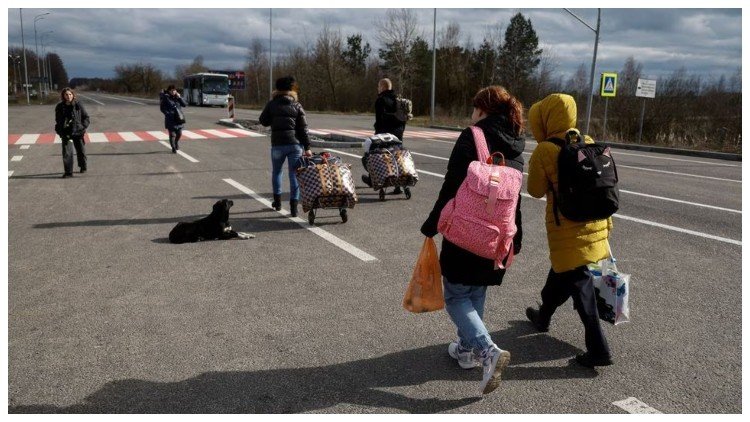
column 293, row 207
column 589, row 361
column 276, row 204
column 537, row 320
column 366, row 179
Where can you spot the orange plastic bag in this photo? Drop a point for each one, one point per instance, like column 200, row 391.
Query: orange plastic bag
column 425, row 291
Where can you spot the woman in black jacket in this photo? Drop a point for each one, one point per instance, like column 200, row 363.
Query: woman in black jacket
column 174, row 119
column 289, row 138
column 71, row 121
column 465, row 275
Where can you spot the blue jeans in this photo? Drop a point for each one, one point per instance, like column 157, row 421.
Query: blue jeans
column 465, row 305
column 292, row 154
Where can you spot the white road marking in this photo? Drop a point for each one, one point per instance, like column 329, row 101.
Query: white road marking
column 10, row 173
column 247, row 132
column 681, row 201
column 188, row 157
column 663, row 198
column 680, row 174
column 218, row 133
column 97, row 137
column 130, row 137
column 57, row 140
column 158, row 134
column 351, row 249
column 25, row 146
column 89, row 98
column 677, row 159
column 673, row 172
column 633, row 405
column 192, row 135
column 617, row 215
column 16, row 158
column 121, row 99
column 29, row 138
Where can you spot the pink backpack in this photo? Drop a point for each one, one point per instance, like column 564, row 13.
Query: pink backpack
column 482, row 216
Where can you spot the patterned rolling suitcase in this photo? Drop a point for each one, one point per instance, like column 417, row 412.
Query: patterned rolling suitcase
column 391, row 167
column 325, row 182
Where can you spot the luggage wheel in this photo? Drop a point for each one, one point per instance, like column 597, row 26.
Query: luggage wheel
column 407, row 192
column 311, row 217
column 343, row 214
column 381, row 195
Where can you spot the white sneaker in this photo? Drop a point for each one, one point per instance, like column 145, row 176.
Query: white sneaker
column 494, row 362
column 465, row 357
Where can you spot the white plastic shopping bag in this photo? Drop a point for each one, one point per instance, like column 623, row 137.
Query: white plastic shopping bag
column 612, row 291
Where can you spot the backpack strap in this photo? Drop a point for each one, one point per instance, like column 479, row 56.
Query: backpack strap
column 561, row 143
column 481, row 144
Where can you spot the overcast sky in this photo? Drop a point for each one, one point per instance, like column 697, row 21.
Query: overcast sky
column 91, row 42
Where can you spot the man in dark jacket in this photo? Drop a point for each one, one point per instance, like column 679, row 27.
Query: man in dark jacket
column 71, row 121
column 385, row 120
column 289, row 138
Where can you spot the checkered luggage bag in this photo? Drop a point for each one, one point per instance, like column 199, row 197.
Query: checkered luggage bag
column 325, row 182
column 391, row 167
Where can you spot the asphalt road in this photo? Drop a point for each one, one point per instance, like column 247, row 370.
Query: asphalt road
column 105, row 315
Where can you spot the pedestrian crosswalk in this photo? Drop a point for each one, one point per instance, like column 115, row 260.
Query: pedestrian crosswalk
column 162, row 135
column 151, row 135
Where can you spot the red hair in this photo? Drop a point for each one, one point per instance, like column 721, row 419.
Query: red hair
column 497, row 100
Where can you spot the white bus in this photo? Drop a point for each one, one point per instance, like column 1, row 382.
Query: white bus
column 206, row 89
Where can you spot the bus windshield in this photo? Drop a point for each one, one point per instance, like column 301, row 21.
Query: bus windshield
column 215, row 85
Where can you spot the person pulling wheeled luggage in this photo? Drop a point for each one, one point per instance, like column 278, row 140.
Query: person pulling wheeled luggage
column 388, row 120
column 388, row 164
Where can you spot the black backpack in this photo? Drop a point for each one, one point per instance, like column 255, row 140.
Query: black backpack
column 587, row 180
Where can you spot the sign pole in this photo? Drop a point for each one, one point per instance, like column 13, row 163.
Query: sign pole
column 604, row 126
column 640, row 129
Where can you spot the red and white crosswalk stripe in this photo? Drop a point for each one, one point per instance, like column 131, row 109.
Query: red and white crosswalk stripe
column 151, row 135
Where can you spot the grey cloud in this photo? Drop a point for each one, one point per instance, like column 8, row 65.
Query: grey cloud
column 92, row 41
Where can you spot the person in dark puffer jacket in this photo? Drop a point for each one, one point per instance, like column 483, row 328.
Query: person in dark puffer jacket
column 71, row 122
column 289, row 138
column 385, row 120
column 466, row 275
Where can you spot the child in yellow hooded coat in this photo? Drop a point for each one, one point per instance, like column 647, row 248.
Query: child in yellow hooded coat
column 572, row 245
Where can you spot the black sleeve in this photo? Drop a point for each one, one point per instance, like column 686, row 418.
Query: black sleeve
column 84, row 117
column 462, row 155
column 265, row 115
column 300, row 128
column 379, row 113
column 181, row 101
column 518, row 238
column 59, row 119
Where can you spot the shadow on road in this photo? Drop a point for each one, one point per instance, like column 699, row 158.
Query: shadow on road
column 294, row 390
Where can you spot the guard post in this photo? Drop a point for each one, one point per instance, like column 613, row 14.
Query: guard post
column 230, row 107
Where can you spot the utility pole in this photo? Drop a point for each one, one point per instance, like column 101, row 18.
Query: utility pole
column 36, row 48
column 270, row 55
column 25, row 64
column 434, row 54
column 593, row 62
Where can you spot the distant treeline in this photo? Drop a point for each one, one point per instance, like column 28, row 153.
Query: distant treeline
column 340, row 73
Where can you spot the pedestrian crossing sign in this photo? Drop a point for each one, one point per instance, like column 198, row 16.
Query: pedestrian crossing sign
column 609, row 85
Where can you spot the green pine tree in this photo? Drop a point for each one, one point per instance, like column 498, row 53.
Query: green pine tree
column 519, row 55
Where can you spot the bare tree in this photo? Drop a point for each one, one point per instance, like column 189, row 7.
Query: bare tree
column 397, row 33
column 257, row 64
column 328, row 59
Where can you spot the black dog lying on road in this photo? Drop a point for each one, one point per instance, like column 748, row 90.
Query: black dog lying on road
column 215, row 226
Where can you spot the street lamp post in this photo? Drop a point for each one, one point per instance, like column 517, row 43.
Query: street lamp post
column 270, row 55
column 593, row 61
column 44, row 65
column 25, row 63
column 36, row 48
column 434, row 53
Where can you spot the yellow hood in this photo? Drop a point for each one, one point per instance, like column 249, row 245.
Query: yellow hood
column 552, row 116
